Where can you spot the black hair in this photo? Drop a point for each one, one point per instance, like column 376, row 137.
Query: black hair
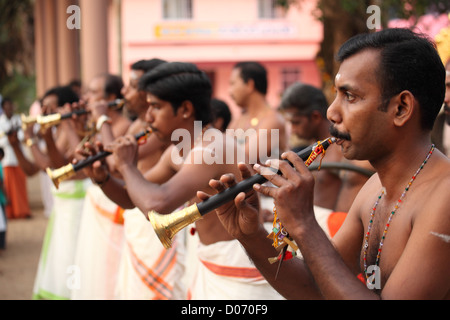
column 305, row 98
column 177, row 82
column 147, row 65
column 75, row 83
column 408, row 61
column 113, row 86
column 5, row 100
column 255, row 71
column 65, row 95
column 221, row 110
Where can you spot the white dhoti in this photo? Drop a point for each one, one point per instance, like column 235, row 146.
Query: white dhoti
column 99, row 248
column 2, row 220
column 225, row 272
column 147, row 270
column 57, row 273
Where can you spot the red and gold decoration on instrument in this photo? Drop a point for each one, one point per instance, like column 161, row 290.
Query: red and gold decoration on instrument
column 281, row 240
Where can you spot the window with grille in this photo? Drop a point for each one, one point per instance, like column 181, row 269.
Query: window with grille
column 268, row 9
column 289, row 75
column 177, row 9
column 212, row 77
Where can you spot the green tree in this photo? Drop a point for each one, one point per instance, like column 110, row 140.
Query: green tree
column 343, row 19
column 17, row 51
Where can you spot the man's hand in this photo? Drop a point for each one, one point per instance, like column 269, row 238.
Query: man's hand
column 293, row 192
column 97, row 171
column 241, row 216
column 97, row 109
column 124, row 150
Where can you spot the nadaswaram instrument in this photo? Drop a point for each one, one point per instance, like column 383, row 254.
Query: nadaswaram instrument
column 47, row 121
column 68, row 171
column 166, row 226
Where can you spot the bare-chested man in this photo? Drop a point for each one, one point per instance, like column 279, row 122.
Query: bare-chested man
column 102, row 233
column 179, row 97
column 136, row 104
column 58, row 249
column 305, row 107
column 397, row 231
column 118, row 281
column 248, row 88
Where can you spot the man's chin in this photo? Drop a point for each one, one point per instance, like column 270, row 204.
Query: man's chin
column 161, row 137
column 345, row 146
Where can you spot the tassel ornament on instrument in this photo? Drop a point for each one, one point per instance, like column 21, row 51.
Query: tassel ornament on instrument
column 166, row 226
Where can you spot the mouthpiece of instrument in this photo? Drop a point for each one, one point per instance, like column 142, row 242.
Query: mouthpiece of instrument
column 116, row 104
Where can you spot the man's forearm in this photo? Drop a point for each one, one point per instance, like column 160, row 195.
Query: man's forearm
column 115, row 190
column 56, row 158
column 144, row 194
column 27, row 166
column 332, row 276
column 293, row 281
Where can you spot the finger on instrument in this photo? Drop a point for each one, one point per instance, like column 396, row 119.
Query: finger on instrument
column 203, row 196
column 265, row 190
column 217, row 185
column 269, row 174
column 228, row 179
column 296, row 161
column 239, row 200
column 246, row 170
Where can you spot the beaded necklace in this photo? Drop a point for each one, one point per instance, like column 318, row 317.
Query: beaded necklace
column 372, row 214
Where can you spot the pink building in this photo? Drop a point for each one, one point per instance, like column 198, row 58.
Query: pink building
column 215, row 34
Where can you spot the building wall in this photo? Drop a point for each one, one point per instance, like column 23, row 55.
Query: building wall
column 222, row 33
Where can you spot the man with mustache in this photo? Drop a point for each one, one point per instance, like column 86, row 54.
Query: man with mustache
column 397, row 232
column 305, row 107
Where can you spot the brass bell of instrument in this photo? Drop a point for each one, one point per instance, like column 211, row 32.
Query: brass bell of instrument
column 45, row 122
column 27, row 120
column 49, row 120
column 167, row 225
column 61, row 174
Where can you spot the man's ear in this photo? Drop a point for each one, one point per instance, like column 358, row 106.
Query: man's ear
column 315, row 116
column 186, row 109
column 405, row 103
column 250, row 85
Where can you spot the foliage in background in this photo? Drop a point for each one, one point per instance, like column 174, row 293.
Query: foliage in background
column 17, row 52
column 343, row 19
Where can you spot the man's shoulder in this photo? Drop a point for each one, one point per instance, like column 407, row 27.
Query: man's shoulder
column 135, row 127
column 441, row 171
column 274, row 119
column 441, row 181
